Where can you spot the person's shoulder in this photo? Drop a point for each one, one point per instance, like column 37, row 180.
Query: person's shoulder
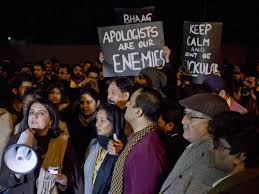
column 244, row 182
column 154, row 135
column 151, row 143
column 2, row 111
column 248, row 175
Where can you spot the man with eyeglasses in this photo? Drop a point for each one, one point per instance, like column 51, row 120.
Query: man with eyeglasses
column 234, row 152
column 194, row 173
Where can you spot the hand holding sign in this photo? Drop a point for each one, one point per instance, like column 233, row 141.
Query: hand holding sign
column 166, row 54
column 101, row 57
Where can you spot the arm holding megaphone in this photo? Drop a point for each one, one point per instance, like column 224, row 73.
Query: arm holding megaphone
column 18, row 162
column 19, row 158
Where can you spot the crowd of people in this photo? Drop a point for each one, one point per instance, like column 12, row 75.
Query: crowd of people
column 156, row 132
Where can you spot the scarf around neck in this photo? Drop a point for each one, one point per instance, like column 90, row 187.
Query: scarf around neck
column 117, row 176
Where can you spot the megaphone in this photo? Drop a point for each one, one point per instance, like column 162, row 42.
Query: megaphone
column 20, row 158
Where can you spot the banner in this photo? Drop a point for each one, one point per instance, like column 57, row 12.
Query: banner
column 127, row 49
column 201, row 49
column 134, row 15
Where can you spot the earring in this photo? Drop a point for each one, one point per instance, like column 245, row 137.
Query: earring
column 50, row 123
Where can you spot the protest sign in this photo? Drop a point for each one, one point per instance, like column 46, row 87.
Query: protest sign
column 127, row 49
column 201, row 49
column 134, row 15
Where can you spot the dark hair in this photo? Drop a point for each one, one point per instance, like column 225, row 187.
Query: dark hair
column 172, row 112
column 93, row 69
column 108, row 108
column 54, row 130
column 87, row 60
column 66, row 66
column 61, row 87
column 18, row 78
column 77, row 65
column 123, row 84
column 47, row 61
column 56, row 85
column 36, row 93
column 149, row 100
column 39, row 64
column 237, row 130
column 115, row 116
column 91, row 92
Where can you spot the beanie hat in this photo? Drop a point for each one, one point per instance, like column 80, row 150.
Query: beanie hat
column 206, row 103
column 214, row 83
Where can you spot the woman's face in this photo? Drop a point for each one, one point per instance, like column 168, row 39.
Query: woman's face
column 55, row 96
column 88, row 105
column 103, row 125
column 39, row 119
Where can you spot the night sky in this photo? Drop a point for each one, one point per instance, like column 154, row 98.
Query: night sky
column 76, row 21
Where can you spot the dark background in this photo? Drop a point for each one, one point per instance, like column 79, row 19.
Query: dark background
column 76, row 21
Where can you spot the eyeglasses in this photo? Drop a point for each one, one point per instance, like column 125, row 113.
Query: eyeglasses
column 189, row 116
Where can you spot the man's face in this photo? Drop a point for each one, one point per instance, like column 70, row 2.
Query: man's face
column 93, row 75
column 86, row 66
column 250, row 82
column 161, row 123
column 195, row 125
column 221, row 155
column 49, row 68
column 78, row 71
column 38, row 72
column 24, row 85
column 130, row 114
column 63, row 74
column 166, row 127
column 115, row 95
